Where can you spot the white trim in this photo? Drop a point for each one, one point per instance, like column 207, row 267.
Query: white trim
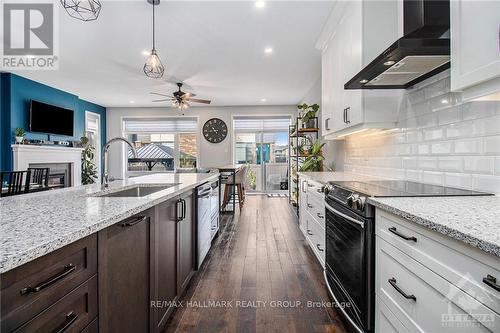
column 99, row 145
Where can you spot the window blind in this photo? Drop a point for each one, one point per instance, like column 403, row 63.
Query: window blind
column 160, row 125
column 274, row 123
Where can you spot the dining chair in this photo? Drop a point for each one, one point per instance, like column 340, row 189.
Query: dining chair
column 14, row 182
column 39, row 179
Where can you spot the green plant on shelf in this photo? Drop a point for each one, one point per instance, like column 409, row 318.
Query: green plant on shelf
column 307, row 113
column 314, row 161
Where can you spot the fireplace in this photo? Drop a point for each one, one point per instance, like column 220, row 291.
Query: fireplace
column 59, row 173
column 64, row 162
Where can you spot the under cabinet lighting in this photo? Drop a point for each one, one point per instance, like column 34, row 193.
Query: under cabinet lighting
column 263, row 99
column 268, row 50
column 363, row 81
column 389, row 63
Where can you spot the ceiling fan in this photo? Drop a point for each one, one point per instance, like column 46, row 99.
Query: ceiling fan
column 180, row 99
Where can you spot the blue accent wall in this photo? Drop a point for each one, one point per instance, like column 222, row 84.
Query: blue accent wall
column 16, row 94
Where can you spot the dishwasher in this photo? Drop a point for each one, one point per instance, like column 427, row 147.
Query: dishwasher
column 207, row 218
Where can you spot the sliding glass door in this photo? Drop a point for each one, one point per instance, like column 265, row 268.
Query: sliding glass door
column 265, row 150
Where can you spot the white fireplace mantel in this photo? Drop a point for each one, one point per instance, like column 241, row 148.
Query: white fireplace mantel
column 24, row 155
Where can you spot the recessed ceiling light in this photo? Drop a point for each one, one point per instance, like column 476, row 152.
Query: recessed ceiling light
column 263, row 99
column 444, row 101
column 131, row 102
column 268, row 50
column 389, row 63
column 363, row 81
column 260, row 4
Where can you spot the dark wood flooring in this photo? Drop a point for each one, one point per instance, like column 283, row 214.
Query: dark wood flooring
column 260, row 257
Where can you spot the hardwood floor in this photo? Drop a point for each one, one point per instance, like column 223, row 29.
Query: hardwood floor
column 260, row 257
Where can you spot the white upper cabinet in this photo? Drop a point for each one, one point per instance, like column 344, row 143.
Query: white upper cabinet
column 475, row 47
column 357, row 32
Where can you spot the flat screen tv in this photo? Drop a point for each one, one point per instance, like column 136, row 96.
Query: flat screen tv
column 50, row 119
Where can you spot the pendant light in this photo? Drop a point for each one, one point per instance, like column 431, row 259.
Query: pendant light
column 85, row 10
column 153, row 67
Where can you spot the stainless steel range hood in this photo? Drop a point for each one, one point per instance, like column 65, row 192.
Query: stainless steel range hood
column 422, row 52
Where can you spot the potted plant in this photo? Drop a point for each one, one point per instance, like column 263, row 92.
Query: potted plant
column 314, row 161
column 251, row 177
column 308, row 115
column 19, row 135
column 89, row 170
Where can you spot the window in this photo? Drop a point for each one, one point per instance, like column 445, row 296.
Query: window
column 162, row 144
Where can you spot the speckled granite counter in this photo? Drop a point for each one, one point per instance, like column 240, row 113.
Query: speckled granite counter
column 472, row 220
column 33, row 225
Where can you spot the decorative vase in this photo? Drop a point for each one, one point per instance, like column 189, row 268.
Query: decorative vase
column 19, row 139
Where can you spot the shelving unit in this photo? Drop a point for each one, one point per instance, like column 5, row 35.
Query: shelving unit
column 296, row 138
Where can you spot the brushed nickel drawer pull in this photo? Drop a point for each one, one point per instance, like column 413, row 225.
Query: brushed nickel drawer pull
column 68, row 269
column 134, row 222
column 397, row 233
column 320, row 216
column 392, row 281
column 319, row 248
column 70, row 320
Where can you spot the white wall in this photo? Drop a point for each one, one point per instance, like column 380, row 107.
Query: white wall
column 439, row 140
column 333, row 150
column 211, row 154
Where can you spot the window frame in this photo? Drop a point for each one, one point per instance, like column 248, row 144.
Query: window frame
column 176, row 140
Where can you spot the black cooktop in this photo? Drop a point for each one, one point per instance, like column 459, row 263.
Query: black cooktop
column 402, row 188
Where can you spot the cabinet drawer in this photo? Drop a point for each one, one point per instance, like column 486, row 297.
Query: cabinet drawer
column 72, row 313
column 316, row 238
column 423, row 301
column 385, row 320
column 454, row 262
column 31, row 288
column 315, row 190
column 316, row 208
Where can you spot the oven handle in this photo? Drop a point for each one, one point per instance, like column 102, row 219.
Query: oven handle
column 340, row 307
column 330, row 208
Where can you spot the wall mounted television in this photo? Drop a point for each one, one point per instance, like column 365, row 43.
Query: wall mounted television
column 51, row 119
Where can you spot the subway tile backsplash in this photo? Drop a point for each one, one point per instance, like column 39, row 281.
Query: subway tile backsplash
column 439, row 140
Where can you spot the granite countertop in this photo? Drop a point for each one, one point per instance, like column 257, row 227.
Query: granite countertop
column 32, row 225
column 472, row 220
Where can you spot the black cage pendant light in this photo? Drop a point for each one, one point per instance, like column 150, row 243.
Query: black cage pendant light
column 85, row 10
column 153, row 67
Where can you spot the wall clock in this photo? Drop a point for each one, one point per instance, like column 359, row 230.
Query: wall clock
column 215, row 130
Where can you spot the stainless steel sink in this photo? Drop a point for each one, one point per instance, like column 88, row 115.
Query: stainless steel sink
column 137, row 191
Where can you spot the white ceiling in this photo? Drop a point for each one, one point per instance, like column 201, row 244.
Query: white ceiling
column 217, row 48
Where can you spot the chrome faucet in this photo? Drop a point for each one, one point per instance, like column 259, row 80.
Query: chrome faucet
column 105, row 175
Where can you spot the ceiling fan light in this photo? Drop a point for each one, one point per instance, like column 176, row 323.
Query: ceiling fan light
column 153, row 67
column 84, row 10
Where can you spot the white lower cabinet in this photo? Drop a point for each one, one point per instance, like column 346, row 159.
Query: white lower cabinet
column 312, row 217
column 416, row 285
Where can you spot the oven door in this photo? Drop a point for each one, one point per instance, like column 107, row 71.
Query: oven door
column 349, row 263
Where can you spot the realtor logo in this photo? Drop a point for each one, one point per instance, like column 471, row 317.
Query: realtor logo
column 29, row 31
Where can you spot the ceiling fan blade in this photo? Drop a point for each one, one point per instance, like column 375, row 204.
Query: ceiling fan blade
column 153, row 93
column 163, row 100
column 196, row 100
column 188, row 95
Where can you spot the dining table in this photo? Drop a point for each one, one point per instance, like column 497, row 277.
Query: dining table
column 232, row 169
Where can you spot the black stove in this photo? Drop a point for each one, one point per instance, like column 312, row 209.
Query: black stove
column 350, row 241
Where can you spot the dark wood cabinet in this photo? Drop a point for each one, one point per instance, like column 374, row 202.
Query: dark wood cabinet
column 124, row 274
column 122, row 279
column 28, row 290
column 185, row 243
column 163, row 263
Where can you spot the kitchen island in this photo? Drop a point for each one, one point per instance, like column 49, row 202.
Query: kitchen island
column 98, row 260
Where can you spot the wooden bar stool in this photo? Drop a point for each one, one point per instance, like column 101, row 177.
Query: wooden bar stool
column 239, row 183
